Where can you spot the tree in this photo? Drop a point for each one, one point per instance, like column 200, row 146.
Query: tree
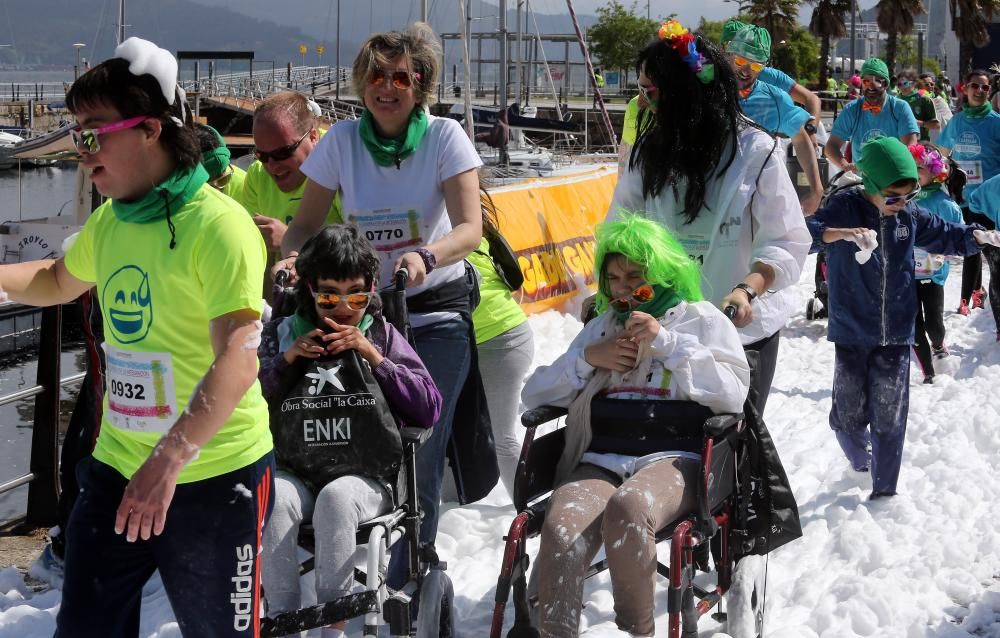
column 908, row 58
column 828, row 22
column 779, row 17
column 895, row 18
column 798, row 55
column 971, row 22
column 619, row 35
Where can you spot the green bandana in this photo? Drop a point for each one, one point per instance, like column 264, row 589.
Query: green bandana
column 388, row 152
column 885, row 161
column 731, row 28
column 875, row 66
column 752, row 42
column 301, row 325
column 663, row 300
column 978, row 111
column 215, row 160
column 164, row 199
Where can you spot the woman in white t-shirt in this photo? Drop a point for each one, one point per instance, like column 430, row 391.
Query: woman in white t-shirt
column 409, row 181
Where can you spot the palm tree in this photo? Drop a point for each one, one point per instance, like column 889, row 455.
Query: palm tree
column 779, row 17
column 828, row 22
column 971, row 20
column 895, row 18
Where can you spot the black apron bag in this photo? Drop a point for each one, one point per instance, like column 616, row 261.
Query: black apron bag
column 330, row 419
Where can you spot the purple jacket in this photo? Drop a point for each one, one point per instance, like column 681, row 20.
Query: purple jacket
column 406, row 383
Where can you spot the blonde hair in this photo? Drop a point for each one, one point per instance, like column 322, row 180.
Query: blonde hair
column 286, row 107
column 417, row 44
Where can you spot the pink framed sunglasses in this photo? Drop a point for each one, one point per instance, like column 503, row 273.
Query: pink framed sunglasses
column 88, row 139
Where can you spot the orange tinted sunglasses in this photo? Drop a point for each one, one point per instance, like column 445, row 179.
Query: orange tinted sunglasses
column 400, row 79
column 640, row 295
column 330, row 300
column 741, row 61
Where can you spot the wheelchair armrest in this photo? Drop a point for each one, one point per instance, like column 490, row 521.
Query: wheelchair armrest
column 537, row 416
column 417, row 436
column 719, row 423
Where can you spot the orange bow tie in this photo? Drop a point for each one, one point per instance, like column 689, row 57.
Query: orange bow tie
column 874, row 108
column 745, row 93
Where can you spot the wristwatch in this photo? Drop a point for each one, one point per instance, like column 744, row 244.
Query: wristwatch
column 810, row 127
column 430, row 261
column 747, row 288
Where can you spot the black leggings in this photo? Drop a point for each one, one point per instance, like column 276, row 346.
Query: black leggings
column 972, row 266
column 991, row 255
column 930, row 323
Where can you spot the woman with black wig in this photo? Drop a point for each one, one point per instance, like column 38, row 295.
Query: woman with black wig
column 713, row 178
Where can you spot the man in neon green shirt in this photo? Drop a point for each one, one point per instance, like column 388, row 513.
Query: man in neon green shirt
column 223, row 175
column 284, row 133
column 177, row 268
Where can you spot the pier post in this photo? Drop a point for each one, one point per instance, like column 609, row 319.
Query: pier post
column 43, row 490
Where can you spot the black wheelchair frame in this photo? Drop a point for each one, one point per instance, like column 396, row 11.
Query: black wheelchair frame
column 716, row 516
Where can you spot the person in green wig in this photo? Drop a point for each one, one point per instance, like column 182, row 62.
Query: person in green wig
column 874, row 114
column 655, row 340
column 215, row 155
column 868, row 235
column 748, row 50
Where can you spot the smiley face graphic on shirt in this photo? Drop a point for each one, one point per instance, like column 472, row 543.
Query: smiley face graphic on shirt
column 129, row 304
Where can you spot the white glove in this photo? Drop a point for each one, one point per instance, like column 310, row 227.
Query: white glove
column 867, row 242
column 991, row 237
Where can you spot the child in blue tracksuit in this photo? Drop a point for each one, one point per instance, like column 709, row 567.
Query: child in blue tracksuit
column 931, row 270
column 873, row 302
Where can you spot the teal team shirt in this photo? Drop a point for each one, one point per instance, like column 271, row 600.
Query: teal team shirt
column 777, row 78
column 936, row 202
column 773, row 109
column 975, row 144
column 858, row 126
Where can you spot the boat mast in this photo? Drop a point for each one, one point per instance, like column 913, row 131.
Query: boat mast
column 466, row 28
column 517, row 56
column 121, row 21
column 504, row 49
column 590, row 73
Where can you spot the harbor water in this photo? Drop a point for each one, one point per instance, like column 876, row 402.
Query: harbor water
column 30, row 193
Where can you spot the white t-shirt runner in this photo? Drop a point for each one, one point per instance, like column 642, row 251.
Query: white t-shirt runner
column 396, row 209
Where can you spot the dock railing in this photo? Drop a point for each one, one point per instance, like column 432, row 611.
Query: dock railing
column 42, row 478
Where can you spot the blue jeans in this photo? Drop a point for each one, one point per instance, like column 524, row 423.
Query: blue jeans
column 446, row 351
column 871, row 386
column 208, row 555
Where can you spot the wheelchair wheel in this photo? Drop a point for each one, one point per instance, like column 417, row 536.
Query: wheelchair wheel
column 745, row 598
column 437, row 598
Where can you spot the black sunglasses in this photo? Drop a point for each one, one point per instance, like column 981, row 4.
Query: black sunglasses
column 279, row 154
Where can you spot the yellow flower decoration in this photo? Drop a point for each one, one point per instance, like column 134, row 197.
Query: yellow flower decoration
column 671, row 29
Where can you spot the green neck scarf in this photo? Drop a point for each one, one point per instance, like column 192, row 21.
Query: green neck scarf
column 978, row 111
column 393, row 151
column 301, row 325
column 663, row 300
column 163, row 200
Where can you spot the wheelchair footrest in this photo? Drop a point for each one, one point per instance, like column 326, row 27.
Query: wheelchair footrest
column 397, row 613
column 344, row 608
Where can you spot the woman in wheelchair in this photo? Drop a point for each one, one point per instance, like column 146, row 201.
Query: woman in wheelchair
column 655, row 340
column 340, row 381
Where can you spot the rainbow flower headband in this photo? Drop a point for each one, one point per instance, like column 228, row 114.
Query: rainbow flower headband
column 929, row 159
column 683, row 42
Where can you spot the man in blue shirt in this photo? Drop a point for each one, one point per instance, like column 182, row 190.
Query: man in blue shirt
column 873, row 115
column 748, row 51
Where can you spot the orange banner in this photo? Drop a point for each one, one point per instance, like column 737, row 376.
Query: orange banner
column 549, row 222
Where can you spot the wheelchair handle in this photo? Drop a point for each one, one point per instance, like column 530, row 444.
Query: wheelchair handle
column 400, row 278
column 730, row 311
column 281, row 277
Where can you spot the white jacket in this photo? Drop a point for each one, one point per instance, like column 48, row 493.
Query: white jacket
column 751, row 214
column 697, row 346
